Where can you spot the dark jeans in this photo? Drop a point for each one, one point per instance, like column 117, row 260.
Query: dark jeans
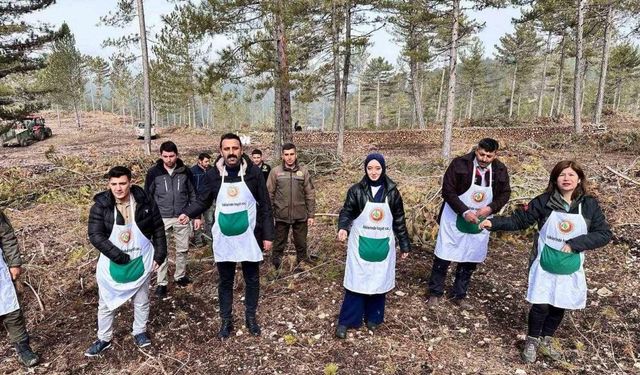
column 357, row 306
column 282, row 236
column 544, row 319
column 439, row 274
column 14, row 324
column 251, row 274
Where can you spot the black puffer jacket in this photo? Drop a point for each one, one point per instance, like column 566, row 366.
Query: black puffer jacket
column 539, row 209
column 210, row 186
column 358, row 196
column 147, row 218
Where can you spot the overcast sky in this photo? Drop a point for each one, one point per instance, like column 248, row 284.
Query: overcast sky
column 82, row 17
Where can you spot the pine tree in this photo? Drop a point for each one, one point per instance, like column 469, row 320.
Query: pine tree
column 65, row 74
column 20, row 45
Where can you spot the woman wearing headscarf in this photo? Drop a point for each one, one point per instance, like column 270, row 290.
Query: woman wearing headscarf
column 569, row 222
column 371, row 219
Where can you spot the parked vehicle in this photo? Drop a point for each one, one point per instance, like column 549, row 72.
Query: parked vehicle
column 140, row 130
column 25, row 131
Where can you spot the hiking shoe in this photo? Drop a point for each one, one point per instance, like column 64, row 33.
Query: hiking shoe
column 252, row 325
column 462, row 303
column 142, row 340
column 433, row 302
column 341, row 332
column 225, row 329
column 372, row 326
column 530, row 349
column 97, row 347
column 183, row 281
column 26, row 356
column 549, row 348
column 161, row 291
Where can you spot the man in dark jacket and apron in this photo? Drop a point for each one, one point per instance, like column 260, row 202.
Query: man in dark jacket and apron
column 243, row 219
column 474, row 186
column 169, row 184
column 126, row 227
column 10, row 311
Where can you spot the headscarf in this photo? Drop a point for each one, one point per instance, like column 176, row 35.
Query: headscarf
column 380, row 181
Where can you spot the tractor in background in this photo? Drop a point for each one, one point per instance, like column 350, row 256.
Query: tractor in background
column 24, row 132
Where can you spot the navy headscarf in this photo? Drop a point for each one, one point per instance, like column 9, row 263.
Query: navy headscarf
column 380, row 181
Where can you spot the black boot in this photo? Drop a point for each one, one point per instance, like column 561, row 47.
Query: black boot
column 26, row 356
column 225, row 329
column 252, row 325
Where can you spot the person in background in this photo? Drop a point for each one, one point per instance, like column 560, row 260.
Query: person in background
column 201, row 236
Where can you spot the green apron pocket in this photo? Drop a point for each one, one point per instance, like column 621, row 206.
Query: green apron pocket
column 233, row 224
column 558, row 262
column 126, row 273
column 467, row 227
column 373, row 249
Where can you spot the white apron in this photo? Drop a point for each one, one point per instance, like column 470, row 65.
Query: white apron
column 118, row 283
column 555, row 277
column 458, row 240
column 232, row 232
column 8, row 296
column 371, row 251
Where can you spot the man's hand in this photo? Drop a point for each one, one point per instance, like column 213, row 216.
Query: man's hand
column 486, row 224
column 267, row 245
column 15, row 272
column 566, row 248
column 311, row 221
column 342, row 235
column 484, row 211
column 471, row 217
column 197, row 224
column 183, row 219
column 155, row 266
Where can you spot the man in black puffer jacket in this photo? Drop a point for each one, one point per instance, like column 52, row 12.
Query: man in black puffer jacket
column 125, row 225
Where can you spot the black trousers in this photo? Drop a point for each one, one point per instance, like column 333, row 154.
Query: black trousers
column 14, row 324
column 251, row 274
column 544, row 319
column 439, row 275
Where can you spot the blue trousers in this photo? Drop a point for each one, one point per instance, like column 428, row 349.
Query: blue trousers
column 357, row 307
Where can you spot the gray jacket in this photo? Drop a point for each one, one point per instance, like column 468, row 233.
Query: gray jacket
column 172, row 193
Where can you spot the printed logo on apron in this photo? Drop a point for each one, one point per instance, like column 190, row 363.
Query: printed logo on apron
column 376, row 214
column 478, row 196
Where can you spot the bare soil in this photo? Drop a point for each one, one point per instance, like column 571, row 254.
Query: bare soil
column 48, row 199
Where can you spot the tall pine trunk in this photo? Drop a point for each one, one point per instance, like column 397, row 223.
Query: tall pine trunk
column 597, row 115
column 451, row 94
column 335, row 42
column 283, row 124
column 577, row 84
column 560, row 83
column 146, row 90
column 438, row 113
column 345, row 79
column 470, row 109
column 543, row 84
column 513, row 90
column 378, row 104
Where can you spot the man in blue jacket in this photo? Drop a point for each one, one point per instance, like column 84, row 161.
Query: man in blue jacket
column 202, row 235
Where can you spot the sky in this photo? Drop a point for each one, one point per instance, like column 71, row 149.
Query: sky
column 82, row 16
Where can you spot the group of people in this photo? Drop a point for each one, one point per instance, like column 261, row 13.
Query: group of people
column 247, row 208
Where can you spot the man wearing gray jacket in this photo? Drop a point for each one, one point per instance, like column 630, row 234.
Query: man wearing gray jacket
column 169, row 184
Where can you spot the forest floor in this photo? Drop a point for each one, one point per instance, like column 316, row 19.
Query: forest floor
column 47, row 189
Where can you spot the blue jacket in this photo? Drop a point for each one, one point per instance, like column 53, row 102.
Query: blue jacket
column 197, row 176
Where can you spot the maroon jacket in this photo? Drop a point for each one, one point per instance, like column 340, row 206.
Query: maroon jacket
column 457, row 180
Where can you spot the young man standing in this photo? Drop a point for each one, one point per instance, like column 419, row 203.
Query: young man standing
column 126, row 227
column 10, row 311
column 169, row 184
column 256, row 157
column 474, row 186
column 197, row 176
column 242, row 220
column 294, row 204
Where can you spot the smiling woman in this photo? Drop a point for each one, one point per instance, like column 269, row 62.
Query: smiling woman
column 570, row 222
